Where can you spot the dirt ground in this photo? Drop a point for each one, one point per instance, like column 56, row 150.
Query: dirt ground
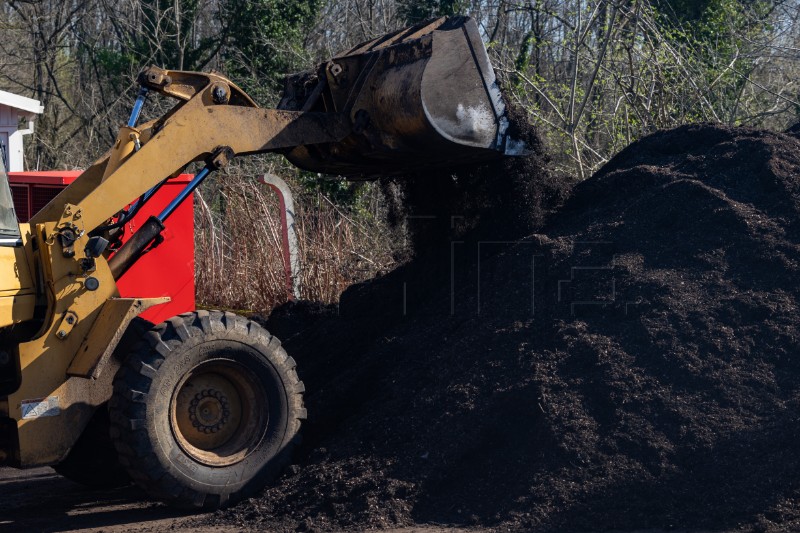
column 41, row 500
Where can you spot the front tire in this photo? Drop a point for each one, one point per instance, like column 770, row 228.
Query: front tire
column 206, row 410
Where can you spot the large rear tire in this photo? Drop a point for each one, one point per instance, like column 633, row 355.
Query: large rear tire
column 206, row 410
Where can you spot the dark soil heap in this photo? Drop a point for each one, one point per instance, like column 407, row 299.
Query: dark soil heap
column 634, row 365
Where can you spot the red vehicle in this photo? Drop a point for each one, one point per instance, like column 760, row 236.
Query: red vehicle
column 168, row 270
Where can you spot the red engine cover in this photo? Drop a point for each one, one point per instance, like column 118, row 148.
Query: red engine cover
column 168, row 270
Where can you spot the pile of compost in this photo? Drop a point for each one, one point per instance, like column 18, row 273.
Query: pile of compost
column 635, row 364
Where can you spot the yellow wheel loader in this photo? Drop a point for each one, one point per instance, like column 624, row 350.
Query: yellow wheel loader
column 206, row 407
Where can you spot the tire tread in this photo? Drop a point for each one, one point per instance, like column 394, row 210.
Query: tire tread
column 132, row 393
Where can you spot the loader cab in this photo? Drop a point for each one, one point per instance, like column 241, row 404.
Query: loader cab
column 9, row 227
column 17, row 291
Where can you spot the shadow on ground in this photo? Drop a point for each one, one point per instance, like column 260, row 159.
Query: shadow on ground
column 41, row 500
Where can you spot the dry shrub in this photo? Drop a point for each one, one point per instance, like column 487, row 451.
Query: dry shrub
column 239, row 262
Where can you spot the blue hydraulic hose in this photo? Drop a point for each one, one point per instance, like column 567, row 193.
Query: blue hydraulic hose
column 189, row 189
column 137, row 107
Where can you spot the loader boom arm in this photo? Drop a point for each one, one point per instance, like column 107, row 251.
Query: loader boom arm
column 199, row 128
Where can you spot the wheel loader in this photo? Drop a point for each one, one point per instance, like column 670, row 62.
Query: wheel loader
column 206, row 407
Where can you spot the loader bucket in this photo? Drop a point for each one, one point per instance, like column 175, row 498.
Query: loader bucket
column 422, row 97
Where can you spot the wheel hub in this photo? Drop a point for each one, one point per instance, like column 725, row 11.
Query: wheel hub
column 218, row 413
column 209, row 411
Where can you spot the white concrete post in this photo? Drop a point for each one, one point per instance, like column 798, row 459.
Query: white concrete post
column 291, row 252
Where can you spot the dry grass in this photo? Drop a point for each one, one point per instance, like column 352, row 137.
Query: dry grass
column 239, row 263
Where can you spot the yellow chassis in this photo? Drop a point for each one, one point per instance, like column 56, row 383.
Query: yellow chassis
column 67, row 368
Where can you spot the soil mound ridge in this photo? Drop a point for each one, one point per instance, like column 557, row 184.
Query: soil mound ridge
column 635, row 365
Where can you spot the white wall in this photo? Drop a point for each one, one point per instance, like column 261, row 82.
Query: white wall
column 11, row 135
